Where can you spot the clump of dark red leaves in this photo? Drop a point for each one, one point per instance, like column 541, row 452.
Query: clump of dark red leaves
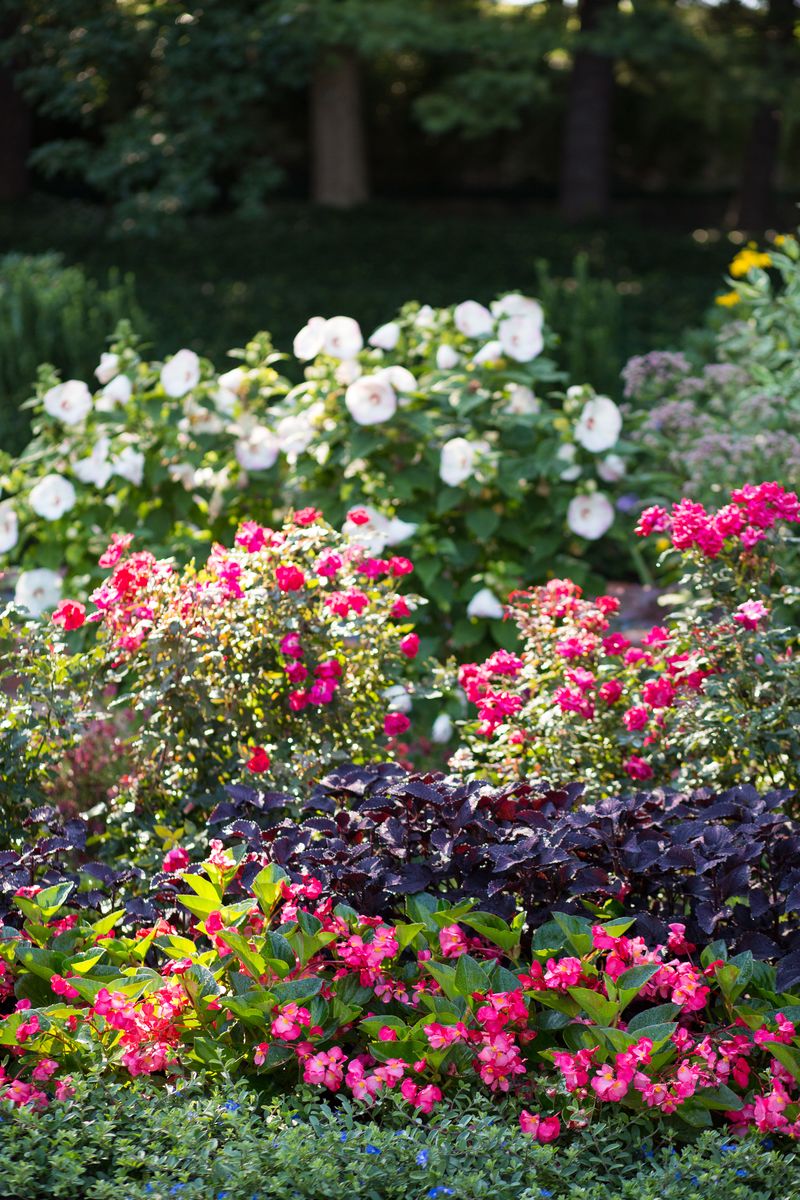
column 726, row 865
column 56, row 853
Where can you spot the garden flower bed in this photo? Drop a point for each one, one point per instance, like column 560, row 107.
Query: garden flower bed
column 267, row 861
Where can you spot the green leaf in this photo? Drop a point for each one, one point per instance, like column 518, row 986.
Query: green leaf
column 297, row 990
column 652, row 1017
column 786, row 1056
column 631, row 982
column 470, row 976
column 266, row 887
column 601, row 1011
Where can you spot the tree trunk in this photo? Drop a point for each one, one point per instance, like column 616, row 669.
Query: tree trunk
column 339, row 175
column 760, row 167
column 585, row 169
column 763, row 146
column 15, row 136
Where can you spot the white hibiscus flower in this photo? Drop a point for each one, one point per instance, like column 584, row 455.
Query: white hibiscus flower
column 567, row 454
column 258, row 449
column 348, row 371
column 386, row 336
column 95, row 468
column 181, row 373
column 399, row 531
column 38, row 590
column 425, row 317
column 231, row 386
column 600, row 425
column 107, row 368
column 442, row 729
column 371, row 400
column 457, row 462
column 590, row 516
column 446, row 357
column 522, row 402
column 68, row 402
column 51, row 497
column 117, row 392
column 473, row 319
column 342, row 337
column 486, row 605
column 521, row 338
column 309, row 341
column 516, row 305
column 295, row 434
column 400, row 378
column 129, row 464
column 611, row 468
column 9, row 526
column 488, row 353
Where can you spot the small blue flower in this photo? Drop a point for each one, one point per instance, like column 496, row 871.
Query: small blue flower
column 742, row 1173
column 231, row 1106
column 343, row 1137
column 726, row 1147
column 370, row 1149
column 767, row 1143
column 545, row 1192
column 694, row 1179
column 422, row 1158
column 439, row 1191
column 647, row 1153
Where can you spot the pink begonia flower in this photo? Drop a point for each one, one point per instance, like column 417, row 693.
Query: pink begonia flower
column 452, row 941
column 543, row 1129
column 289, row 579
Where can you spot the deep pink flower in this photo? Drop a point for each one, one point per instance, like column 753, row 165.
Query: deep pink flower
column 289, row 579
column 409, row 645
column 637, row 768
column 258, row 761
column 70, row 614
column 395, row 723
column 750, row 613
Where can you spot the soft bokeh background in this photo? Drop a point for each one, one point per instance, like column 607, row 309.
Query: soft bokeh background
column 240, row 165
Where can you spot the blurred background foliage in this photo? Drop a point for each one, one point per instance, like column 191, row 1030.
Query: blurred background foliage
column 252, row 162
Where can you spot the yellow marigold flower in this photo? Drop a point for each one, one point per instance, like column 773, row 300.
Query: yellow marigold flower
column 728, row 299
column 746, row 260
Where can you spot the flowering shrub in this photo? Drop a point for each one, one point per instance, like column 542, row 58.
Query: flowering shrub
column 724, row 865
column 276, row 656
column 282, row 984
column 703, row 427
column 436, row 426
column 710, row 697
column 173, row 452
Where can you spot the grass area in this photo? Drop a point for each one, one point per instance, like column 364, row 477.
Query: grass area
column 216, row 280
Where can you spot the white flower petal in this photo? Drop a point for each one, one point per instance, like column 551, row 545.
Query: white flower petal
column 51, row 497
column 386, row 336
column 38, row 590
column 590, row 516
column 600, row 425
column 473, row 319
column 309, row 341
column 181, row 373
column 485, row 604
column 68, row 402
column 371, row 400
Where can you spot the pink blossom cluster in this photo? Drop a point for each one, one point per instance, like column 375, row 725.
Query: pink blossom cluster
column 753, row 510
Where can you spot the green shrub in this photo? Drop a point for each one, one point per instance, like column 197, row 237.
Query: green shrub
column 52, row 313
